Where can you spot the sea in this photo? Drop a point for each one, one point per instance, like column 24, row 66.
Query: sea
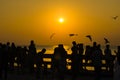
column 50, row 48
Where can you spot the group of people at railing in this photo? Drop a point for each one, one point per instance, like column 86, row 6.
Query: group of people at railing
column 27, row 57
column 93, row 53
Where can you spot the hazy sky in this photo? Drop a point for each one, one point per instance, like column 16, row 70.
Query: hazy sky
column 25, row 20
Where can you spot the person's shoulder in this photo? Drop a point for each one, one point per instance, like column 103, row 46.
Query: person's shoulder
column 39, row 53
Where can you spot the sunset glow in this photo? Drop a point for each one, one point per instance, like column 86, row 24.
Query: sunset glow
column 23, row 20
column 61, row 20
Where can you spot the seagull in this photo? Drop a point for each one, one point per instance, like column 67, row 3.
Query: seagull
column 52, row 35
column 89, row 36
column 115, row 17
column 106, row 41
column 73, row 35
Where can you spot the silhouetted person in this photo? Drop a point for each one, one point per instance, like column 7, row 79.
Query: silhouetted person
column 59, row 61
column 94, row 45
column 97, row 61
column 55, row 60
column 75, row 61
column 12, row 56
column 0, row 60
column 88, row 54
column 108, row 58
column 116, row 68
column 80, row 56
column 25, row 58
column 3, row 61
column 32, row 53
column 6, row 58
column 20, row 58
column 39, row 62
column 32, row 47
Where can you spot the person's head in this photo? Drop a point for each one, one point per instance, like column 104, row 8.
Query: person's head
column 43, row 50
column 8, row 43
column 118, row 47
column 107, row 46
column 94, row 44
column 99, row 46
column 74, row 43
column 32, row 42
column 60, row 45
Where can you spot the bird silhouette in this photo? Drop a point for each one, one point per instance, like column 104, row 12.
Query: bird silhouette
column 51, row 36
column 115, row 17
column 90, row 38
column 106, row 41
column 73, row 35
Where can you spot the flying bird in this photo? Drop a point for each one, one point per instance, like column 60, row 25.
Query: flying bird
column 90, row 38
column 52, row 35
column 115, row 17
column 73, row 35
column 106, row 41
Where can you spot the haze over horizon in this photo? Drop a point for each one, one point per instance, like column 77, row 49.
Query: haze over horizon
column 25, row 20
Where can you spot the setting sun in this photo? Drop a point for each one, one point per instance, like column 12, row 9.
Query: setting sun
column 61, row 20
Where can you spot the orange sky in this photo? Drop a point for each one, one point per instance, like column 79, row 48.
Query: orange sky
column 23, row 20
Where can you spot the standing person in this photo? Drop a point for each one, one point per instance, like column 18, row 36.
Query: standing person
column 12, row 56
column 75, row 61
column 32, row 53
column 108, row 58
column 1, row 54
column 88, row 54
column 80, row 56
column 55, row 62
column 97, row 61
column 6, row 58
column 62, row 66
column 39, row 62
column 18, row 54
column 3, row 61
column 116, row 68
column 24, row 59
column 59, row 61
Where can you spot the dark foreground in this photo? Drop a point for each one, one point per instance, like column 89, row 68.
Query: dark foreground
column 32, row 76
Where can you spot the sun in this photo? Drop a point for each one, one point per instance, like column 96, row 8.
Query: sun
column 61, row 20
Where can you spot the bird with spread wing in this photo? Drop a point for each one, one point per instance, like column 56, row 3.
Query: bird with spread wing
column 51, row 36
column 106, row 41
column 89, row 37
column 115, row 17
column 71, row 35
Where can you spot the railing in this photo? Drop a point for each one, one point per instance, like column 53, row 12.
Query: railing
column 89, row 64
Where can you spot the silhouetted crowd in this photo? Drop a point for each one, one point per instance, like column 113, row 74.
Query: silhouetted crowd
column 23, row 56
column 27, row 56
